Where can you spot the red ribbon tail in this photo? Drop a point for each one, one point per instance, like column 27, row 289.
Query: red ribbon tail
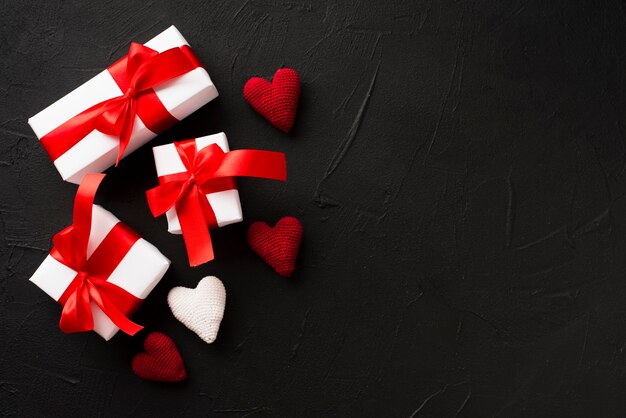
column 126, row 131
column 120, row 320
column 76, row 315
column 110, row 308
column 163, row 197
column 251, row 163
column 195, row 228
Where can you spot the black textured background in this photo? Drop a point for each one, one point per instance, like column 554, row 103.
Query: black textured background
column 459, row 167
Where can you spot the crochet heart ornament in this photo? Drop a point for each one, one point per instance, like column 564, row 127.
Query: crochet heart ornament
column 160, row 360
column 276, row 101
column 277, row 246
column 200, row 309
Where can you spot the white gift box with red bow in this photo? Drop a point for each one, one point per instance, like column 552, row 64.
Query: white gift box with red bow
column 97, row 151
column 225, row 204
column 138, row 273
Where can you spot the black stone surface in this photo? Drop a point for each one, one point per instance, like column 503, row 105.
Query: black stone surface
column 459, row 168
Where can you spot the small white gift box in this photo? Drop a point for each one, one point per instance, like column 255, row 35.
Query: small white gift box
column 225, row 204
column 97, row 151
column 138, row 272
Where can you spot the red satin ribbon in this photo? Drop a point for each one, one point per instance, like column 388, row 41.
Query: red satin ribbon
column 208, row 171
column 136, row 75
column 90, row 283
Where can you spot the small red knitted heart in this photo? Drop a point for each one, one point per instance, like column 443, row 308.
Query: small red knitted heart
column 160, row 361
column 278, row 246
column 276, row 101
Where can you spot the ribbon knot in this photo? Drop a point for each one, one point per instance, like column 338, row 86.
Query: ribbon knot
column 81, row 276
column 130, row 93
column 209, row 170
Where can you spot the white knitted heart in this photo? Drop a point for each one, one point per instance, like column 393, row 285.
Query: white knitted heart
column 200, row 309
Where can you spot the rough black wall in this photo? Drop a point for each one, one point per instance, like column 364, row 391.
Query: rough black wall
column 459, row 170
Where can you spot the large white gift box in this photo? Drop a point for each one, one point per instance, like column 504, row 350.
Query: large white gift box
column 138, row 272
column 180, row 96
column 225, row 204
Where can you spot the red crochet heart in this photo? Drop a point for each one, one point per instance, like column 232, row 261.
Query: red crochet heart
column 161, row 360
column 276, row 101
column 278, row 246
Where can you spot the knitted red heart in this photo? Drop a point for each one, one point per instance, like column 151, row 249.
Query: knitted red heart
column 278, row 246
column 161, row 360
column 276, row 101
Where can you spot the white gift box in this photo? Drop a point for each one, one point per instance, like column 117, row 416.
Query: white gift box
column 181, row 96
column 138, row 273
column 225, row 204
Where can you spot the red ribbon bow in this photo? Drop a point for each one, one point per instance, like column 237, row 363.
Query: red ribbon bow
column 208, row 171
column 90, row 283
column 136, row 75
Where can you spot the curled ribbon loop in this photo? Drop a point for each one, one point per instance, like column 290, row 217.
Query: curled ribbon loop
column 209, row 170
column 90, row 283
column 136, row 75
